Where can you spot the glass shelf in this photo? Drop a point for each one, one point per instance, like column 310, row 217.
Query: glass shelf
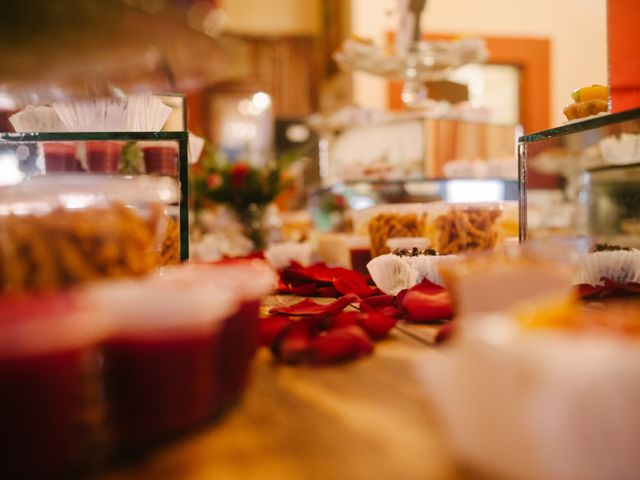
column 582, row 125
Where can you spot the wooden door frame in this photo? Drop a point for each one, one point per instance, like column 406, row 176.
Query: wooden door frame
column 532, row 56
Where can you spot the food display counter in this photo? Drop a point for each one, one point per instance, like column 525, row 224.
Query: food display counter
column 157, row 154
column 470, row 312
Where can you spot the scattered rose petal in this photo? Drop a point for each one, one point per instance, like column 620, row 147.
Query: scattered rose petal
column 309, row 307
column 328, row 292
column 292, row 345
column 346, row 285
column 445, row 332
column 393, row 312
column 270, row 327
column 384, row 304
column 632, row 287
column 427, row 302
column 378, row 301
column 318, row 272
column 294, row 278
column 344, row 319
column 341, row 343
column 611, row 288
column 304, row 290
column 587, row 291
column 377, row 325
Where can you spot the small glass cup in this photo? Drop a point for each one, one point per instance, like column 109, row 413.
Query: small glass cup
column 359, row 253
column 161, row 159
column 49, row 381
column 160, row 362
column 250, row 280
column 59, row 157
column 103, row 157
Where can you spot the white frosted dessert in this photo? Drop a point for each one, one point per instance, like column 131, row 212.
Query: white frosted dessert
column 402, row 269
column 615, row 263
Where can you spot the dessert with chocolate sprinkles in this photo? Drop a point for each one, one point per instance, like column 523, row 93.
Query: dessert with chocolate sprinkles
column 414, row 252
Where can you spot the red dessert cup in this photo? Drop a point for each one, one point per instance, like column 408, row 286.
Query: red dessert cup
column 161, row 159
column 103, row 157
column 59, row 157
column 159, row 375
column 250, row 280
column 359, row 253
column 50, row 400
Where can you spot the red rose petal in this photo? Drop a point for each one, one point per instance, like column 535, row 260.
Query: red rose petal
column 340, row 343
column 384, row 304
column 318, row 272
column 294, row 278
column 305, row 290
column 346, row 285
column 587, row 291
column 377, row 302
column 270, row 328
column 309, row 307
column 344, row 319
column 292, row 346
column 328, row 292
column 631, row 287
column 377, row 325
column 427, row 302
column 393, row 312
column 427, row 287
column 445, row 332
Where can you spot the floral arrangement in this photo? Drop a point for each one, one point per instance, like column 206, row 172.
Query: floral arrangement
column 247, row 190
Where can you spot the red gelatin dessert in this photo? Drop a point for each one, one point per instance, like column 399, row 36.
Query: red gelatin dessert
column 59, row 157
column 249, row 280
column 161, row 159
column 50, row 405
column 359, row 259
column 160, row 375
column 103, row 157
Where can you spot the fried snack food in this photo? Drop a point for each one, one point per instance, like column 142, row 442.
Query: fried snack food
column 391, row 225
column 464, row 229
column 587, row 101
column 43, row 252
column 170, row 249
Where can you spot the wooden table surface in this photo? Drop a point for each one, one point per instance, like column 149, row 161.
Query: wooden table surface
column 366, row 419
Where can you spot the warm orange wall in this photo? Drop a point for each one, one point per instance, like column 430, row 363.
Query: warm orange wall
column 624, row 53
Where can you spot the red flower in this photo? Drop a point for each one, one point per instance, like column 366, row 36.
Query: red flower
column 340, row 202
column 239, row 174
column 214, row 181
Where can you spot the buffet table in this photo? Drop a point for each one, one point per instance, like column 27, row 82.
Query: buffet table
column 366, row 419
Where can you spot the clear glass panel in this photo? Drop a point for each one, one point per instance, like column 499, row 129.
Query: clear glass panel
column 583, row 179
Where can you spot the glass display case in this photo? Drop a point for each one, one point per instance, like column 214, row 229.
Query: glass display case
column 408, row 157
column 592, row 180
column 107, row 153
